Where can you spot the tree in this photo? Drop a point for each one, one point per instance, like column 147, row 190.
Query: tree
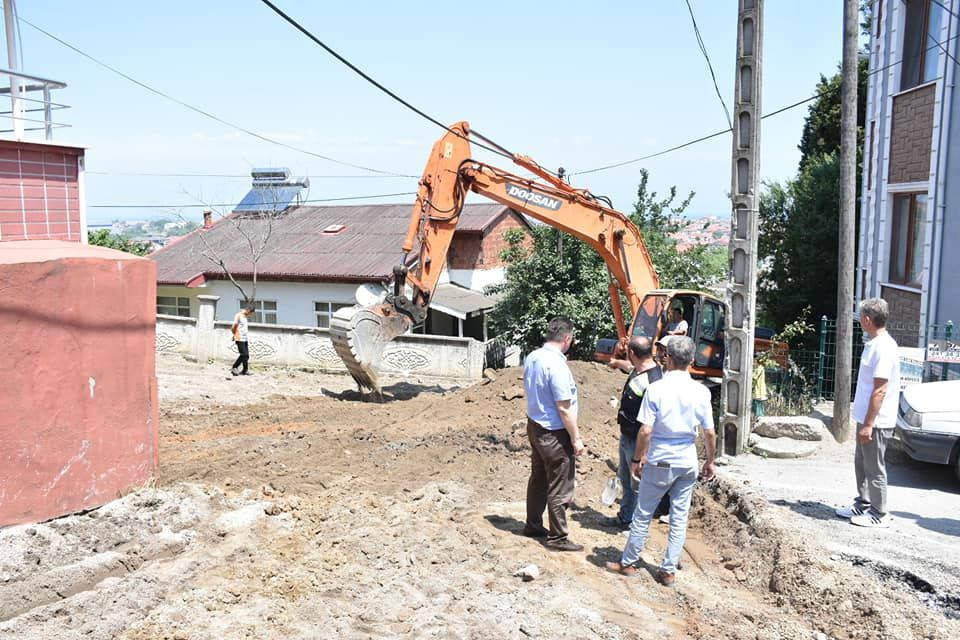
column 542, row 282
column 103, row 238
column 799, row 218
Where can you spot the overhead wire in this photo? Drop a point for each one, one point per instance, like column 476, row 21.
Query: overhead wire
column 492, row 147
column 207, row 114
column 713, row 76
column 227, row 175
column 716, row 134
column 233, row 204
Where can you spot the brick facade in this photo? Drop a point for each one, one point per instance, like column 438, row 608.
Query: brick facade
column 482, row 251
column 904, row 321
column 912, row 135
column 39, row 192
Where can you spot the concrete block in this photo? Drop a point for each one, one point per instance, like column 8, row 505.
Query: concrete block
column 796, row 427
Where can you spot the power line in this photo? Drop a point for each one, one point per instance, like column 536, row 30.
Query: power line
column 713, row 76
column 233, row 204
column 207, row 113
column 226, row 175
column 725, row 131
column 495, row 148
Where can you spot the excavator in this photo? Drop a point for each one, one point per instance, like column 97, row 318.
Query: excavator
column 361, row 333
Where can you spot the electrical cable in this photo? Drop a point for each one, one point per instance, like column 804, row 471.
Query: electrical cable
column 725, row 131
column 207, row 114
column 224, row 175
column 713, row 76
column 494, row 148
column 233, row 204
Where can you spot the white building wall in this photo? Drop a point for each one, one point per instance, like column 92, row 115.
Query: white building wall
column 294, row 299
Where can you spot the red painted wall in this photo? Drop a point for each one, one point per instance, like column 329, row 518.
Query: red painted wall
column 78, row 388
column 40, row 192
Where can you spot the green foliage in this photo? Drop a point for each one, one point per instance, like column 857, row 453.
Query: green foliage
column 799, row 219
column 560, row 275
column 103, row 238
column 791, row 393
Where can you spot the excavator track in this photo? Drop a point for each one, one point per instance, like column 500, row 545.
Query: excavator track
column 359, row 336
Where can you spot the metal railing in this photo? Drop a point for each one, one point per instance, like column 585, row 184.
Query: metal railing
column 21, row 84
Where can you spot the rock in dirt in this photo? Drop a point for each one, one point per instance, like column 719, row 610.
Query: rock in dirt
column 781, row 447
column 528, row 573
column 489, row 375
column 513, row 393
column 796, row 427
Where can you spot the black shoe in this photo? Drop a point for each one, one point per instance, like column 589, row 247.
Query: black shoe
column 563, row 544
column 246, row 373
column 533, row 531
column 614, row 522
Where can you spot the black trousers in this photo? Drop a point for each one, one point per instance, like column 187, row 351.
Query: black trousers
column 244, row 356
column 552, row 470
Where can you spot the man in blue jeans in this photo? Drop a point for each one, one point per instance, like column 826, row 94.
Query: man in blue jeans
column 643, row 372
column 666, row 454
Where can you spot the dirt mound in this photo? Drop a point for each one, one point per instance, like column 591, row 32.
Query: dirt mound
column 340, row 516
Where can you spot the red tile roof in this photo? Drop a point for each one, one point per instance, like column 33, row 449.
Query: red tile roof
column 365, row 250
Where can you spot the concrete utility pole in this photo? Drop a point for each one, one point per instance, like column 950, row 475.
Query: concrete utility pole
column 741, row 286
column 848, row 185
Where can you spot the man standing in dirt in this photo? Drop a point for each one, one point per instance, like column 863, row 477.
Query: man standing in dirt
column 554, row 436
column 875, row 410
column 666, row 453
column 240, row 337
column 643, row 372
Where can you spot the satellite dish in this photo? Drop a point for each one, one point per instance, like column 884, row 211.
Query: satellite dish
column 369, row 294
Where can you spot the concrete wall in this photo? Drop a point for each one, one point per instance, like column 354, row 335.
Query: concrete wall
column 285, row 345
column 41, row 192
column 79, row 398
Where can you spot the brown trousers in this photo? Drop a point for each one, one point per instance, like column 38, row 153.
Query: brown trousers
column 552, row 470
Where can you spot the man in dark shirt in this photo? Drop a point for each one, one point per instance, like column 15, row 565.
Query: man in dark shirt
column 643, row 372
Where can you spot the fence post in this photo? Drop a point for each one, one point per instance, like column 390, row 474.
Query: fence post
column 204, row 347
column 947, row 334
column 821, row 356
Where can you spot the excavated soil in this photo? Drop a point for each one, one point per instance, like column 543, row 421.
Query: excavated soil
column 335, row 516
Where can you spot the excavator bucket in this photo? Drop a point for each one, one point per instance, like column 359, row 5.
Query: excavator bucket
column 360, row 334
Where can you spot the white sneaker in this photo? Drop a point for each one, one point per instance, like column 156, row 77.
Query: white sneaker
column 855, row 509
column 871, row 519
column 664, row 519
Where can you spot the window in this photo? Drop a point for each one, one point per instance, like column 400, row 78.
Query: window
column 920, row 42
column 171, row 306
column 264, row 311
column 325, row 311
column 906, row 238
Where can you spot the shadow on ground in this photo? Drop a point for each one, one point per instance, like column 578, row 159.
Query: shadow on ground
column 946, row 526
column 395, row 392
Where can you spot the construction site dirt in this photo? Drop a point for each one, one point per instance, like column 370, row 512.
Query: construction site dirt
column 288, row 506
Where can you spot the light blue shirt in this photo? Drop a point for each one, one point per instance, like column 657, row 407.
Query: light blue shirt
column 546, row 381
column 675, row 406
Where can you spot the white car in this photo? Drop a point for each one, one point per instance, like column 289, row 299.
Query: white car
column 928, row 423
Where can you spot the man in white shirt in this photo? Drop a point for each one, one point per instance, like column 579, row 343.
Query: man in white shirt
column 665, row 459
column 875, row 411
column 677, row 325
column 241, row 332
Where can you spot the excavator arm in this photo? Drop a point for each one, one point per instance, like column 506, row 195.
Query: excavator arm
column 360, row 335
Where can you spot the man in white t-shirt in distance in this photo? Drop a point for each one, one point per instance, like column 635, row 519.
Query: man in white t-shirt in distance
column 240, row 331
column 677, row 325
column 875, row 411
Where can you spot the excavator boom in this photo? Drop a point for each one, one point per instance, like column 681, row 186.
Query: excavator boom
column 360, row 334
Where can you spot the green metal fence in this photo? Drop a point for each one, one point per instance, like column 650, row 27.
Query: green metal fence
column 814, row 372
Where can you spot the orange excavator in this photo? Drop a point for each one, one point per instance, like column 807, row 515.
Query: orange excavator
column 360, row 334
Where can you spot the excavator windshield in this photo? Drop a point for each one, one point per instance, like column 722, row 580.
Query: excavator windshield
column 648, row 316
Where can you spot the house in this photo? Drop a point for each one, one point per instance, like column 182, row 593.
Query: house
column 910, row 198
column 315, row 257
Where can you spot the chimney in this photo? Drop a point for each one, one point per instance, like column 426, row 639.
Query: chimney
column 207, row 219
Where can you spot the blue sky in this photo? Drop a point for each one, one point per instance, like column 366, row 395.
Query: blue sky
column 571, row 84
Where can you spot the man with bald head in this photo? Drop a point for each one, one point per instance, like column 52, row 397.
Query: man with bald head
column 643, row 372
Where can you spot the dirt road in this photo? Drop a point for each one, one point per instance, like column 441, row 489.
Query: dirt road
column 321, row 515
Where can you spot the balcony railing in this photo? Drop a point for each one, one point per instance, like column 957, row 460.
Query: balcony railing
column 22, row 84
